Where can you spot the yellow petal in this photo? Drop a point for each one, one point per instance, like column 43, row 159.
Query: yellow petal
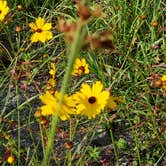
column 83, row 61
column 78, row 62
column 97, row 87
column 47, row 110
column 40, row 23
column 42, row 37
column 47, row 98
column 63, row 117
column 33, row 26
column 163, row 78
column 86, row 90
column 52, row 72
column 45, row 35
column 49, row 35
column 34, row 37
column 47, row 26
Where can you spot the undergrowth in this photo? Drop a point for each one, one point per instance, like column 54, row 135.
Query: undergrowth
column 52, row 109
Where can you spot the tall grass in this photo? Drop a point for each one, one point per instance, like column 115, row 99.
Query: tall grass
column 138, row 35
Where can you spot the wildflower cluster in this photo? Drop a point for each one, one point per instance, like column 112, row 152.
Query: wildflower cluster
column 29, row 54
column 89, row 101
column 51, row 102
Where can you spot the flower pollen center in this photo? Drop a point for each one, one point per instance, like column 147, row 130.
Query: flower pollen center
column 39, row 30
column 92, row 100
column 82, row 68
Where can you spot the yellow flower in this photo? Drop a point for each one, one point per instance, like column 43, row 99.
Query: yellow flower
column 80, row 67
column 51, row 102
column 68, row 106
column 41, row 29
column 10, row 159
column 91, row 101
column 163, row 79
column 52, row 70
column 4, row 9
column 51, row 82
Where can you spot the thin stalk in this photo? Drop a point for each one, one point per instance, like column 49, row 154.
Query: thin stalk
column 135, row 137
column 114, row 146
column 75, row 48
column 19, row 132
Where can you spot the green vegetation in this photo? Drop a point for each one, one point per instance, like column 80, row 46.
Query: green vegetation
column 55, row 56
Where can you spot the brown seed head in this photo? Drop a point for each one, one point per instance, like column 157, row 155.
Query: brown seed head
column 68, row 145
column 97, row 12
column 38, row 114
column 155, row 47
column 163, row 83
column 141, row 17
column 19, row 8
column 84, row 12
column 76, row 1
column 154, row 23
column 18, row 28
column 157, row 83
column 117, row 7
column 62, row 25
column 43, row 120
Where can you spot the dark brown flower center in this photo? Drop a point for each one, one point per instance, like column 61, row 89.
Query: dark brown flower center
column 39, row 30
column 0, row 11
column 92, row 100
column 82, row 68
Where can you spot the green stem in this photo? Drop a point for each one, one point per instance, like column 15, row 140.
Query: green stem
column 75, row 48
column 114, row 146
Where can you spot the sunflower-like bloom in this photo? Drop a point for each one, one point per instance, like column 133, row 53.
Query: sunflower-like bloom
column 68, row 106
column 80, row 67
column 41, row 29
column 4, row 9
column 163, row 79
column 91, row 101
column 51, row 103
